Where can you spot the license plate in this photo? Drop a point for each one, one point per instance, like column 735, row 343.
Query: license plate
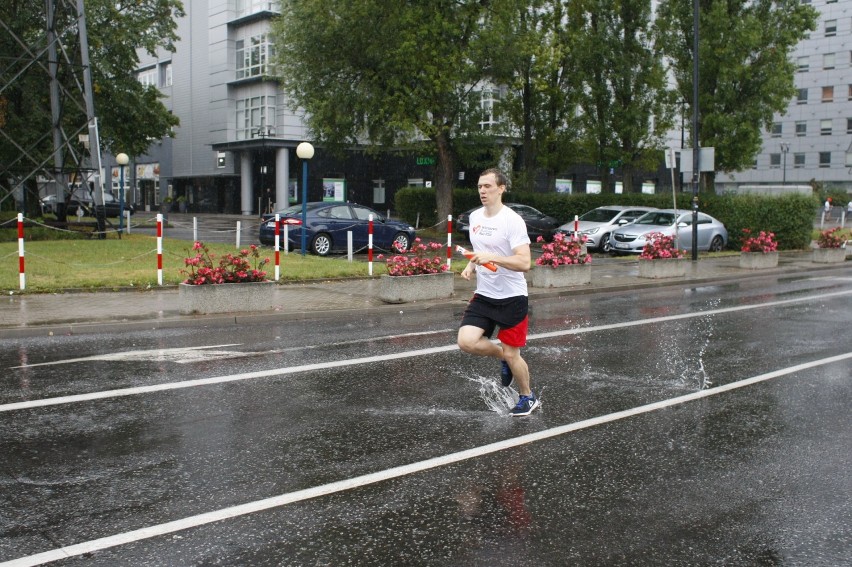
column 621, row 245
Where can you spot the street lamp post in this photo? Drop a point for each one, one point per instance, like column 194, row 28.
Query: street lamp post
column 785, row 147
column 263, row 133
column 305, row 152
column 121, row 159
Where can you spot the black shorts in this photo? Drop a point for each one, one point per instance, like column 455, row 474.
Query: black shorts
column 510, row 314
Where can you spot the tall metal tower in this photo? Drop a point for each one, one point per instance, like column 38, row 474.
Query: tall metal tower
column 64, row 148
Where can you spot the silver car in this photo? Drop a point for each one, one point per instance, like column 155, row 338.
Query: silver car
column 712, row 234
column 597, row 224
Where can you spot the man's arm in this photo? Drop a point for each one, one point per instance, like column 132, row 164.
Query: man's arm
column 519, row 261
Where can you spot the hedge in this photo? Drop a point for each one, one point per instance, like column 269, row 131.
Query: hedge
column 790, row 217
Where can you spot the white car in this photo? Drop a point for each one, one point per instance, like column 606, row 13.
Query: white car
column 631, row 238
column 597, row 224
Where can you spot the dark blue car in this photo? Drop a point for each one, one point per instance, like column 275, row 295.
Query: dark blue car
column 328, row 224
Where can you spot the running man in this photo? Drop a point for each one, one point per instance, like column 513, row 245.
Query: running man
column 499, row 235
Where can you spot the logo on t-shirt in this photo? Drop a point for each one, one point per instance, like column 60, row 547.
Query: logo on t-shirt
column 484, row 230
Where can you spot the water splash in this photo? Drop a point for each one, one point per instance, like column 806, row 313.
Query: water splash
column 497, row 398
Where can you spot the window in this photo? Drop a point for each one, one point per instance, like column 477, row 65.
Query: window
column 166, row 74
column 246, row 7
column 828, row 61
column 148, row 77
column 825, row 159
column 803, row 64
column 774, row 161
column 254, row 112
column 825, row 127
column 253, row 56
column 830, row 28
column 798, row 161
column 849, row 94
column 802, row 96
column 776, row 130
column 754, row 164
column 801, row 128
column 849, row 125
column 828, row 94
column 488, row 98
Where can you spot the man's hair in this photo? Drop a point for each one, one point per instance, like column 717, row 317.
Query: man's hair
column 499, row 176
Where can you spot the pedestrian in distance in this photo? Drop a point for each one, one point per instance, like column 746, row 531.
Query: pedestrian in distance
column 499, row 237
column 827, row 207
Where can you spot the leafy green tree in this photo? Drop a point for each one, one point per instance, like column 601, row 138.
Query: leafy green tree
column 745, row 71
column 388, row 73
column 534, row 42
column 626, row 110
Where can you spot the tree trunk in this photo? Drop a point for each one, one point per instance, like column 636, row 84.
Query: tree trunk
column 444, row 168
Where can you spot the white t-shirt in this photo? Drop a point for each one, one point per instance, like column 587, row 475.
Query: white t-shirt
column 499, row 234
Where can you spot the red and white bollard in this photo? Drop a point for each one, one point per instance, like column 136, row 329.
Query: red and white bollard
column 576, row 227
column 370, row 245
column 449, row 241
column 277, row 244
column 21, row 274
column 159, row 249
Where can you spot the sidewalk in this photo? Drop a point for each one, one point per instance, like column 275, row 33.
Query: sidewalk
column 107, row 311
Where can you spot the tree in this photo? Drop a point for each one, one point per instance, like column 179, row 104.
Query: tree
column 534, row 42
column 390, row 73
column 626, row 109
column 745, row 72
column 129, row 114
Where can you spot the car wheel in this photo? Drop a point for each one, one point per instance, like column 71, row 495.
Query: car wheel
column 605, row 246
column 716, row 244
column 321, row 244
column 401, row 242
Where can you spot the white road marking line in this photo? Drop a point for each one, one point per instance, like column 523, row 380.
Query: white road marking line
column 105, row 394
column 186, row 355
column 155, row 354
column 392, row 473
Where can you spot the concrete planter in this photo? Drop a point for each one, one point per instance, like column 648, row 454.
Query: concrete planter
column 561, row 276
column 758, row 260
column 405, row 289
column 829, row 255
column 225, row 298
column 663, row 268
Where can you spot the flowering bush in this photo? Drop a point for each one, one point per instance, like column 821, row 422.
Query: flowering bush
column 231, row 269
column 420, row 259
column 830, row 238
column 763, row 242
column 660, row 247
column 562, row 252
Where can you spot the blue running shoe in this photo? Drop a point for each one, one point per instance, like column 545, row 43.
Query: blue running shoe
column 526, row 405
column 506, row 376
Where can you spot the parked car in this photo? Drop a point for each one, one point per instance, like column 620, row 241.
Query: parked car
column 631, row 238
column 328, row 223
column 538, row 223
column 48, row 204
column 597, row 224
column 83, row 199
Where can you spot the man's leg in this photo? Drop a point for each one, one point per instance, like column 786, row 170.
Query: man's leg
column 520, row 370
column 471, row 339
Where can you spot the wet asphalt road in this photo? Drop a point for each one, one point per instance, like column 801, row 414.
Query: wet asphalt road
column 292, row 445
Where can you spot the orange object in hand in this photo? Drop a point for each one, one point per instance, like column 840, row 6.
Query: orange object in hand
column 489, row 265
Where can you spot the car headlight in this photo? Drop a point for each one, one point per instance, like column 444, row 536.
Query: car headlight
column 590, row 231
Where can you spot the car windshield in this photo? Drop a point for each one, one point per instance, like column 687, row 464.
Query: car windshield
column 599, row 215
column 656, row 219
